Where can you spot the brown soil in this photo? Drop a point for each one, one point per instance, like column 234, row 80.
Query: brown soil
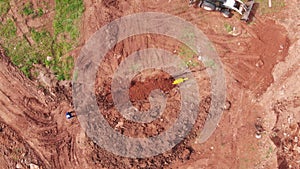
column 141, row 87
column 258, row 62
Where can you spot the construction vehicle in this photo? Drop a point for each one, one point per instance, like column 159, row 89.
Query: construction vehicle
column 179, row 80
column 226, row 6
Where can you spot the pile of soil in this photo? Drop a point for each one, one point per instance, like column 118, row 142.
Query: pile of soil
column 142, row 86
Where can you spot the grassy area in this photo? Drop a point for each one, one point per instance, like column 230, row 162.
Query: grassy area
column 19, row 50
column 28, row 10
column 67, row 14
column 8, row 30
column 66, row 33
column 4, row 7
column 48, row 50
column 264, row 6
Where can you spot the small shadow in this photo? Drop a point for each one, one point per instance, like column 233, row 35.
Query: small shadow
column 253, row 12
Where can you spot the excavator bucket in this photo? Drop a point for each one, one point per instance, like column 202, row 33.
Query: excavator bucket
column 247, row 10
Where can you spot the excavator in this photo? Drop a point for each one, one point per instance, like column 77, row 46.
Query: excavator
column 226, row 6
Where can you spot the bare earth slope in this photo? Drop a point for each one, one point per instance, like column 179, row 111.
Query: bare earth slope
column 262, row 76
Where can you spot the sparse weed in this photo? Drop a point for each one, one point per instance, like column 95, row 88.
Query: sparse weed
column 28, row 9
column 228, row 27
column 269, row 152
column 187, row 55
column 4, row 7
column 40, row 12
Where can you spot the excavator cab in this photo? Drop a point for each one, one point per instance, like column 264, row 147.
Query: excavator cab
column 226, row 6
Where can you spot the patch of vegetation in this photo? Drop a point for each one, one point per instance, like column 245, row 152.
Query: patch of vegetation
column 265, row 9
column 48, row 50
column 28, row 9
column 269, row 152
column 66, row 33
column 210, row 63
column 8, row 30
column 67, row 14
column 23, row 55
column 228, row 27
column 187, row 54
column 63, row 67
column 4, row 7
column 40, row 12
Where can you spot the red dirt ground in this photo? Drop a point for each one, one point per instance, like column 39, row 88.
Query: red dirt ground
column 261, row 63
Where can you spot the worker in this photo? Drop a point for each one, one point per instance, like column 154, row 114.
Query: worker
column 70, row 115
column 179, row 80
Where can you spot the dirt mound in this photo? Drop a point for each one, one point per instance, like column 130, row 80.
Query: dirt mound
column 147, row 81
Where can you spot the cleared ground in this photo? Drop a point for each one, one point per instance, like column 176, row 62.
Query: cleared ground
column 261, row 61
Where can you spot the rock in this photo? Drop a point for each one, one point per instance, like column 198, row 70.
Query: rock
column 260, row 63
column 120, row 124
column 227, row 105
column 33, row 166
column 296, row 139
column 49, row 58
column 257, row 135
column 235, row 31
column 18, row 166
column 281, row 46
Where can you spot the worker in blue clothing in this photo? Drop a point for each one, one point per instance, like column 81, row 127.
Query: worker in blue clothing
column 70, row 115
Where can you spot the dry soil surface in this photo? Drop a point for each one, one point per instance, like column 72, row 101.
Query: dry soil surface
column 260, row 127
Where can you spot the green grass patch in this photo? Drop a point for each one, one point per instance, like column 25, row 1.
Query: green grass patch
column 24, row 56
column 56, row 47
column 4, row 7
column 228, row 27
column 63, row 68
column 40, row 12
column 28, row 9
column 67, row 14
column 66, row 33
column 264, row 6
column 8, row 29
